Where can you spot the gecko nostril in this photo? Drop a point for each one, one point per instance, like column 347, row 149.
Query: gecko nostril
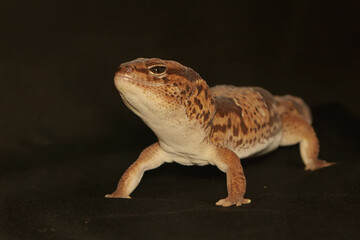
column 124, row 69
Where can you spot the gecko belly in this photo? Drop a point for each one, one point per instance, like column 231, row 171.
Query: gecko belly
column 262, row 147
column 203, row 155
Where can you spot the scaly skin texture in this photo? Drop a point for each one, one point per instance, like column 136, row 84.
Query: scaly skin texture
column 198, row 125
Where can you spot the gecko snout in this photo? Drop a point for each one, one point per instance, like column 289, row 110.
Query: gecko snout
column 124, row 69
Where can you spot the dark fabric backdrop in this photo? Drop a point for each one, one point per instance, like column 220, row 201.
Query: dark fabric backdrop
column 66, row 137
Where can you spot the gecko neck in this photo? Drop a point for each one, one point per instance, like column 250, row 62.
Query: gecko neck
column 192, row 123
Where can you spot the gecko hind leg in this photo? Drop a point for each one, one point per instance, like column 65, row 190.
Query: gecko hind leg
column 297, row 130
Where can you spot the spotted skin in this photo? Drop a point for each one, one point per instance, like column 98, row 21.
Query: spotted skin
column 198, row 125
column 245, row 117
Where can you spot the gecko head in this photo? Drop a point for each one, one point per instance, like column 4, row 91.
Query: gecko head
column 154, row 86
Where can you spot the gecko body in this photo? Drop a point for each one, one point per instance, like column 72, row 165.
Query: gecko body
column 198, row 125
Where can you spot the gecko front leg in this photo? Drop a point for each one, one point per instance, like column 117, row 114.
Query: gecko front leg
column 150, row 158
column 228, row 162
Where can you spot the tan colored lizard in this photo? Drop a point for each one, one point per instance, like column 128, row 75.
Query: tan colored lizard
column 198, row 125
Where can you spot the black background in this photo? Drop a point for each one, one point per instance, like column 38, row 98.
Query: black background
column 66, row 137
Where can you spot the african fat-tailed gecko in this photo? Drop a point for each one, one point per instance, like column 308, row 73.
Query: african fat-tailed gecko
column 198, row 125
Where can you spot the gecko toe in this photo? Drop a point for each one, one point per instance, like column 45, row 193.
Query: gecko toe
column 229, row 201
column 116, row 196
column 317, row 164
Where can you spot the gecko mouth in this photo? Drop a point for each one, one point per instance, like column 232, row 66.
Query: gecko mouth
column 135, row 81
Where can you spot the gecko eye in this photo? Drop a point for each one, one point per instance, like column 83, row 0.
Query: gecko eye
column 159, row 69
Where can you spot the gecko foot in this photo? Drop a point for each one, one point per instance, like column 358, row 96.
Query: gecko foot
column 113, row 195
column 229, row 201
column 317, row 164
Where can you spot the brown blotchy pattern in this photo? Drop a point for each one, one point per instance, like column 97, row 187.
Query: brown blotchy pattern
column 232, row 118
column 185, row 73
column 199, row 104
column 293, row 105
column 244, row 117
column 179, row 86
